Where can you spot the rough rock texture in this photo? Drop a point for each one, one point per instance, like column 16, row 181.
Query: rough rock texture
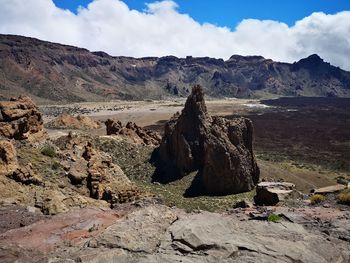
column 20, row 119
column 66, row 121
column 140, row 231
column 8, row 158
column 219, row 149
column 106, row 180
column 132, row 132
column 26, row 175
column 10, row 167
column 271, row 193
column 156, row 233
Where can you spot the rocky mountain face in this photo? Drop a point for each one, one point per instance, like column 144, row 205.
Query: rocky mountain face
column 53, row 72
column 221, row 150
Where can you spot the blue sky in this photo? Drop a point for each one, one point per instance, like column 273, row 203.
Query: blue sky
column 230, row 12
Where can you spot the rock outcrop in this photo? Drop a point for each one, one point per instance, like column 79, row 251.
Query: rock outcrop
column 26, row 175
column 107, row 180
column 221, row 150
column 8, row 158
column 271, row 193
column 132, row 132
column 10, row 167
column 20, row 119
column 66, row 121
column 86, row 166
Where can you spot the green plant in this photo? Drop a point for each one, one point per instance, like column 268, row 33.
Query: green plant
column 55, row 165
column 48, row 151
column 316, row 199
column 344, row 197
column 274, row 218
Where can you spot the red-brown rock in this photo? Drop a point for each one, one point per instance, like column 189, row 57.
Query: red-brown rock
column 132, row 132
column 21, row 119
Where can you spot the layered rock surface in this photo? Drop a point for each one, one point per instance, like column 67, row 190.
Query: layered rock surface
column 21, row 119
column 156, row 233
column 219, row 149
column 66, row 121
column 132, row 132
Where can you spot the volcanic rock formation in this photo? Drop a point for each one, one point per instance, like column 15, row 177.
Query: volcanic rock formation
column 132, row 132
column 219, row 149
column 10, row 167
column 66, row 121
column 8, row 158
column 20, row 119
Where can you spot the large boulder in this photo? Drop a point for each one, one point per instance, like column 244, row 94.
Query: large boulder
column 272, row 193
column 21, row 119
column 221, row 150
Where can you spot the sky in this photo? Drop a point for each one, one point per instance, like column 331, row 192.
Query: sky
column 283, row 30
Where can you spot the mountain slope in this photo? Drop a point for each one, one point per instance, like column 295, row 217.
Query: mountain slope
column 54, row 72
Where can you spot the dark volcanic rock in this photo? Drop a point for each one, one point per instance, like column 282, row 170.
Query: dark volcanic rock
column 219, row 149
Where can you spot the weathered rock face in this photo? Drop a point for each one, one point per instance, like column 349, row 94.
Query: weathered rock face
column 8, row 158
column 20, row 119
column 106, row 180
column 10, row 167
column 66, row 121
column 132, row 132
column 219, row 149
column 26, row 175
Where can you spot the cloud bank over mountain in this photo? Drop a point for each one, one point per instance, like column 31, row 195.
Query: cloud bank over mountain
column 159, row 30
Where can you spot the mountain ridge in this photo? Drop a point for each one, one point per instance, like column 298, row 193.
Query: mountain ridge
column 51, row 72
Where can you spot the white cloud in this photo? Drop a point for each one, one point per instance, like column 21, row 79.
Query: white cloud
column 159, row 30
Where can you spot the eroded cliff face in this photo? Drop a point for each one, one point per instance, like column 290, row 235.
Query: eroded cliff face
column 54, row 72
column 219, row 149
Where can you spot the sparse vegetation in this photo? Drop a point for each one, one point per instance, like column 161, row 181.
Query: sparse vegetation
column 48, row 151
column 274, row 218
column 134, row 161
column 344, row 197
column 316, row 199
column 55, row 165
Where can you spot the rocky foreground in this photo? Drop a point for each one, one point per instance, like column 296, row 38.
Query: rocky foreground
column 156, row 233
column 68, row 200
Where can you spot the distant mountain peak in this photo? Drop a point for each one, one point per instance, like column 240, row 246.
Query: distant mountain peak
column 311, row 60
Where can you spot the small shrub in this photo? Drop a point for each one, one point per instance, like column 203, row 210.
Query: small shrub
column 55, row 166
column 273, row 218
column 316, row 199
column 344, row 197
column 48, row 151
